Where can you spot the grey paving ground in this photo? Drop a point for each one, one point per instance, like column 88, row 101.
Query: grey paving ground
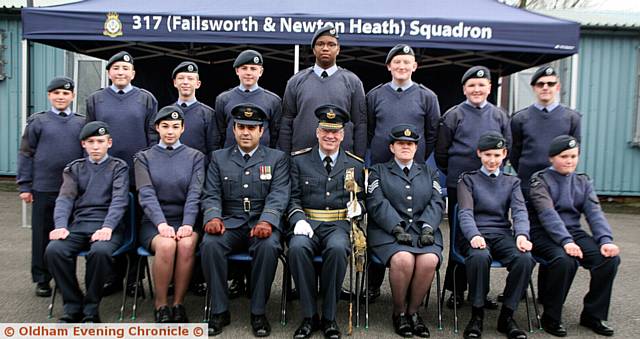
column 18, row 303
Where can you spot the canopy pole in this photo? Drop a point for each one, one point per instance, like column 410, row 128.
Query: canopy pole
column 24, row 73
column 296, row 58
column 574, row 81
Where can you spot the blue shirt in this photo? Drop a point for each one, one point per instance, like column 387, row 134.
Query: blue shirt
column 395, row 86
column 318, row 70
column 106, row 156
column 67, row 111
column 128, row 88
column 486, row 171
column 251, row 89
column 188, row 102
column 333, row 157
column 549, row 107
column 484, row 103
column 164, row 146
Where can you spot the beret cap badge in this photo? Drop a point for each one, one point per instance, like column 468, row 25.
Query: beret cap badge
column 406, row 49
column 572, row 143
column 549, row 71
column 175, row 115
column 407, row 132
column 331, row 115
column 248, row 113
column 480, row 73
column 102, row 131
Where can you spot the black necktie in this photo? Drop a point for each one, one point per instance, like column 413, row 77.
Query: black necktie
column 327, row 164
column 246, row 157
column 247, row 91
column 169, row 148
column 184, row 104
column 493, row 175
column 545, row 110
column 399, row 90
column 120, row 92
column 324, row 74
column 406, row 171
column 63, row 114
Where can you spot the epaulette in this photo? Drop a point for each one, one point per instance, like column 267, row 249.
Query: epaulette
column 205, row 105
column 375, row 88
column 33, row 116
column 354, row 156
column 507, row 174
column 584, row 175
column 520, row 111
column 271, row 93
column 79, row 114
column 536, row 178
column 463, row 174
column 449, row 110
column 302, row 151
column 77, row 161
column 427, row 89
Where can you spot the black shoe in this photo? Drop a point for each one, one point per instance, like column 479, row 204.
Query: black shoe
column 330, row 329
column 217, row 322
column 260, row 325
column 307, row 327
column 401, row 325
column 237, row 288
column 553, row 327
column 490, row 304
column 43, row 290
column 596, row 325
column 111, row 287
column 199, row 289
column 374, row 293
column 180, row 314
column 418, row 326
column 473, row 329
column 71, row 318
column 459, row 300
column 163, row 314
column 91, row 319
column 509, row 327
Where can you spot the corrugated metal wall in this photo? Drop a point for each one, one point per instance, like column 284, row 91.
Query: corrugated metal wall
column 607, row 97
column 46, row 63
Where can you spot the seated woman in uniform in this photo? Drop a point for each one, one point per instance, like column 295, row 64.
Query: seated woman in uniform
column 485, row 197
column 560, row 197
column 405, row 209
column 169, row 178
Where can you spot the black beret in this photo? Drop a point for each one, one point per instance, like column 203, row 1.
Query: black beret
column 171, row 112
column 326, row 30
column 542, row 72
column 400, row 49
column 491, row 140
column 404, row 132
column 248, row 57
column 331, row 117
column 120, row 56
column 185, row 66
column 248, row 114
column 94, row 129
column 562, row 143
column 479, row 72
column 60, row 83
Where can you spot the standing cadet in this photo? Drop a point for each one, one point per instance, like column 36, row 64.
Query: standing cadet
column 48, row 144
column 400, row 101
column 319, row 215
column 129, row 111
column 323, row 83
column 88, row 214
column 405, row 209
column 201, row 130
column 249, row 68
column 460, row 128
column 245, row 195
column 169, row 178
column 560, row 197
column 487, row 197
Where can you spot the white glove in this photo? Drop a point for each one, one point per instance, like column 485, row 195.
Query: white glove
column 303, row 228
column 353, row 209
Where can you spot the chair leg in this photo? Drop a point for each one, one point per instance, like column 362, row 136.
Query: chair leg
column 526, row 303
column 455, row 298
column 149, row 277
column 135, row 290
column 366, row 295
column 51, row 302
column 358, row 299
column 535, row 304
column 124, row 289
column 205, row 315
column 439, row 299
column 285, row 291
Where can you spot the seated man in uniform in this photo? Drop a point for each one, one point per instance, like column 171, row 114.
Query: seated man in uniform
column 319, row 220
column 485, row 197
column 245, row 194
column 88, row 212
column 560, row 196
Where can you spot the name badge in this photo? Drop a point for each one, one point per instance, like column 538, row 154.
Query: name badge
column 265, row 172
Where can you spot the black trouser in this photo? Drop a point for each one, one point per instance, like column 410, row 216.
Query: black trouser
column 562, row 268
column 61, row 257
column 461, row 275
column 502, row 248
column 41, row 224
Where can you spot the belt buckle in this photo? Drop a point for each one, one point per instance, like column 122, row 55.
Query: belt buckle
column 246, row 204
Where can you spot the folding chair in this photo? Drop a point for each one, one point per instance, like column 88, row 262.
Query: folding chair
column 127, row 245
column 373, row 259
column 143, row 254
column 459, row 259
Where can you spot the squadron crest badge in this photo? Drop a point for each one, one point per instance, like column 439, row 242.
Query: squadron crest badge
column 112, row 26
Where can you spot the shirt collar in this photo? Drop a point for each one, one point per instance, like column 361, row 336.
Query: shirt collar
column 333, row 157
column 251, row 89
column 128, row 88
column 318, row 70
column 402, row 166
column 164, row 146
column 188, row 102
column 550, row 107
column 484, row 103
column 485, row 171
column 395, row 86
column 253, row 151
column 106, row 156
column 57, row 111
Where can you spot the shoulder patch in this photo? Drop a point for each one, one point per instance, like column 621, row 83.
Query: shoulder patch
column 375, row 88
column 463, row 174
column 354, row 156
column 302, row 151
column 77, row 161
column 453, row 108
column 520, row 111
column 271, row 93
